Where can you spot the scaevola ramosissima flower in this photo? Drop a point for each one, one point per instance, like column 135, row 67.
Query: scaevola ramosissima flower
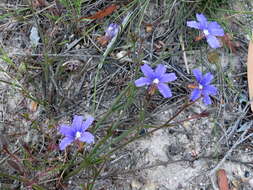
column 76, row 132
column 209, row 29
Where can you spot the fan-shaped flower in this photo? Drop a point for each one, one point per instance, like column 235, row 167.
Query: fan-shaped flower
column 112, row 30
column 158, row 78
column 76, row 131
column 210, row 30
column 203, row 87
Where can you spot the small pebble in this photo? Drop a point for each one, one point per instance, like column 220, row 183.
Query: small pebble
column 246, row 174
column 149, row 186
column 135, row 185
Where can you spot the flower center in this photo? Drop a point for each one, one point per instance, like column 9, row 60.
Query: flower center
column 156, row 81
column 78, row 135
column 201, row 87
column 206, row 32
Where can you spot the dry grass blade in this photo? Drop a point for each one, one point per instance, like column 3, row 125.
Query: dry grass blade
column 4, row 142
column 250, row 72
column 15, row 166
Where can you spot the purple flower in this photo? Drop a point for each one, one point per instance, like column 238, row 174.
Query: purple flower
column 209, row 29
column 203, row 87
column 112, row 30
column 158, row 78
column 76, row 131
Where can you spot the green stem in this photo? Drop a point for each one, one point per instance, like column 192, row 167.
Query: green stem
column 166, row 124
column 21, row 179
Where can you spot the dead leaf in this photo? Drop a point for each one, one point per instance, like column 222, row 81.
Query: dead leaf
column 103, row 13
column 200, row 37
column 222, row 180
column 250, row 72
column 149, row 28
column 227, row 40
column 33, row 106
column 103, row 40
column 39, row 3
column 72, row 65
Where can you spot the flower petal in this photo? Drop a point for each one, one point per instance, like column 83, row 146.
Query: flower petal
column 112, row 30
column 160, row 70
column 87, row 137
column 210, row 89
column 77, row 122
column 198, row 74
column 202, row 19
column 67, row 130
column 164, row 90
column 213, row 41
column 65, row 142
column 147, row 71
column 215, row 29
column 168, row 77
column 207, row 100
column 142, row 81
column 196, row 93
column 193, row 24
column 87, row 123
column 206, row 79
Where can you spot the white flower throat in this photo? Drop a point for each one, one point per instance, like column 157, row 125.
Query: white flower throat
column 201, row 87
column 206, row 32
column 78, row 135
column 156, row 81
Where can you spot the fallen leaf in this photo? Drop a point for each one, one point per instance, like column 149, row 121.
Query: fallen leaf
column 222, row 180
column 103, row 40
column 227, row 40
column 149, row 28
column 103, row 13
column 250, row 72
column 39, row 3
column 33, row 106
column 71, row 65
column 200, row 37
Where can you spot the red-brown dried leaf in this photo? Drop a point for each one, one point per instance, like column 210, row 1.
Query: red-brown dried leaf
column 103, row 40
column 103, row 13
column 200, row 37
column 222, row 180
column 227, row 40
column 250, row 71
column 39, row 3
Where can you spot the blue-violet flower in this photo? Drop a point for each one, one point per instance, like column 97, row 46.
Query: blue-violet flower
column 203, row 88
column 112, row 30
column 210, row 30
column 158, row 78
column 76, row 131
